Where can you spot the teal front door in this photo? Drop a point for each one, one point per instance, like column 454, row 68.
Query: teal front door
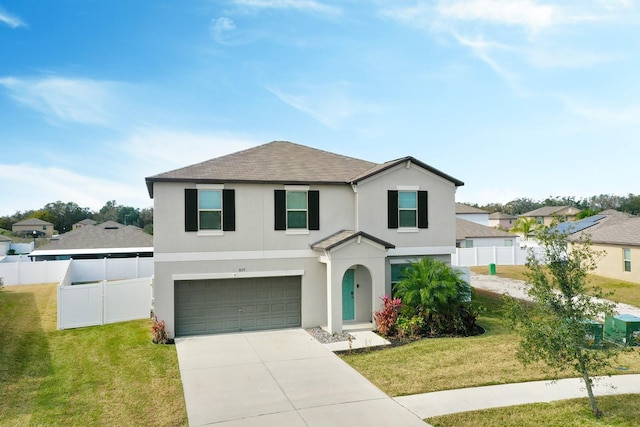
column 348, row 298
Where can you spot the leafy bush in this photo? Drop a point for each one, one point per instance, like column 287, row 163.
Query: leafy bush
column 409, row 327
column 387, row 316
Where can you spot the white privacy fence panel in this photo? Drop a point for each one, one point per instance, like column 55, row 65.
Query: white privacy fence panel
column 480, row 256
column 28, row 273
column 103, row 302
column 23, row 271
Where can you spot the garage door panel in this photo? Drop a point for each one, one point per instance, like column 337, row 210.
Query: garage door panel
column 217, row 306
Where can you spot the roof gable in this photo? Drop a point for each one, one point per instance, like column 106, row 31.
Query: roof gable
column 109, row 234
column 32, row 221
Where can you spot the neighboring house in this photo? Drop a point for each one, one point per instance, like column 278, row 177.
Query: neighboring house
column 85, row 222
column 616, row 235
column 27, row 226
column 283, row 235
column 107, row 240
column 5, row 245
column 547, row 214
column 469, row 235
column 502, row 220
column 619, row 243
column 472, row 214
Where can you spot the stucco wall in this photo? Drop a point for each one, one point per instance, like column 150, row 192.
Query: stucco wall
column 372, row 208
column 612, row 263
column 254, row 207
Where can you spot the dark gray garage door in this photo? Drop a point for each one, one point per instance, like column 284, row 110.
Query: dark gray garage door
column 231, row 305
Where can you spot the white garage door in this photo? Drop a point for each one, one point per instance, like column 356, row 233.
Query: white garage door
column 231, row 305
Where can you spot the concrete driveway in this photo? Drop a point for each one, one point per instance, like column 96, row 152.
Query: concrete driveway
column 278, row 378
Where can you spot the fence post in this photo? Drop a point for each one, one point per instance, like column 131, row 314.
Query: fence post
column 60, row 307
column 475, row 255
column 103, row 285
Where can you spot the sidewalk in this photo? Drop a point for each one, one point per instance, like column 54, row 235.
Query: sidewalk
column 470, row 399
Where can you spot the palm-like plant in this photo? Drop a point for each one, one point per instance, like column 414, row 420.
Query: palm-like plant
column 430, row 287
column 526, row 226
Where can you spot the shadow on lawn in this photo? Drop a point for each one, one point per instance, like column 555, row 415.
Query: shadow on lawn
column 24, row 352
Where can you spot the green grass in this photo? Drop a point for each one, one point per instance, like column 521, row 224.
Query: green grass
column 103, row 375
column 620, row 410
column 621, row 291
column 449, row 363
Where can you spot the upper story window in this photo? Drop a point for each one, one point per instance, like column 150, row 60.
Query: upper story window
column 209, row 209
column 539, row 220
column 297, row 209
column 626, row 252
column 408, row 209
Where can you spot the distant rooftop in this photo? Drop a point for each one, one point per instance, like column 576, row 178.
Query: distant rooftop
column 461, row 208
column 468, row 229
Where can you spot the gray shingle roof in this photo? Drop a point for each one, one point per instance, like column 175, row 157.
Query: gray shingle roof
column 340, row 237
column 468, row 229
column 109, row 234
column 547, row 211
column 282, row 162
column 461, row 208
column 32, row 221
column 625, row 232
column 501, row 215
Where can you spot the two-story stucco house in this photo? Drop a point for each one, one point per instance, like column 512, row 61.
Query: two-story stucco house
column 283, row 235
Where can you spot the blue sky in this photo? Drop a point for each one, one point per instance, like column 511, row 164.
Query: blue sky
column 517, row 98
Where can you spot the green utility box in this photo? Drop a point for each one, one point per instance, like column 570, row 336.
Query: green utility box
column 623, row 329
column 492, row 269
column 593, row 334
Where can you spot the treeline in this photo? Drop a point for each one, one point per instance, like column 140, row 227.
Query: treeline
column 589, row 205
column 64, row 215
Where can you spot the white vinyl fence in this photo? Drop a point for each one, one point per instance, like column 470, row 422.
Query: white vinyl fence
column 23, row 271
column 103, row 302
column 499, row 255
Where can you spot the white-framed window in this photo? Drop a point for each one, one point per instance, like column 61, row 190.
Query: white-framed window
column 297, row 210
column 407, row 209
column 540, row 220
column 210, row 209
column 626, row 254
column 468, row 243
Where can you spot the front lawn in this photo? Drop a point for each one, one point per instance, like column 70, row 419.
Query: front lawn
column 102, row 375
column 435, row 364
column 625, row 292
column 619, row 410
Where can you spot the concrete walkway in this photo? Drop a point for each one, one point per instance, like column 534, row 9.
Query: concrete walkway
column 471, row 399
column 518, row 289
column 278, row 378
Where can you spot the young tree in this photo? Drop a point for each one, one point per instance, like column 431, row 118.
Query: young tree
column 553, row 329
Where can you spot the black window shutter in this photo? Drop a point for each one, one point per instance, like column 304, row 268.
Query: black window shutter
column 423, row 210
column 190, row 209
column 280, row 204
column 392, row 209
column 228, row 210
column 314, row 209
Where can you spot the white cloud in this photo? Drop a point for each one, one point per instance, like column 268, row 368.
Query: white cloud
column 28, row 187
column 220, row 28
column 70, row 100
column 149, row 151
column 304, row 5
column 331, row 105
column 629, row 115
column 525, row 13
column 10, row 20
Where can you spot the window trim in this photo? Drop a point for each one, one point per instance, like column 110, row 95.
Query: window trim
column 626, row 261
column 280, row 209
column 192, row 209
column 393, row 209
